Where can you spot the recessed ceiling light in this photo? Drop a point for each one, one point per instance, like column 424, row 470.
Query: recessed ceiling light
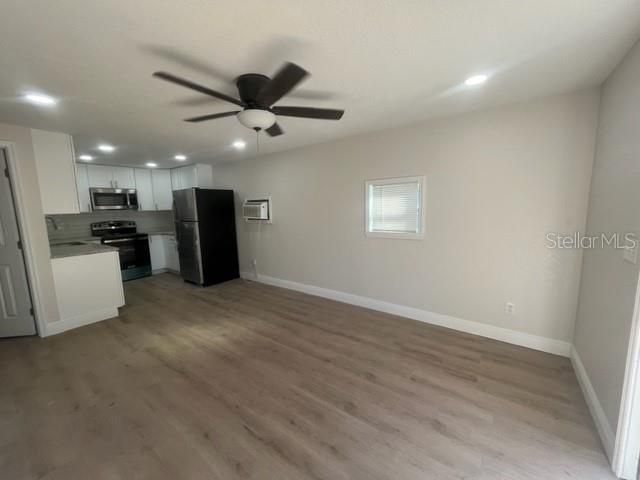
column 475, row 80
column 106, row 148
column 239, row 144
column 40, row 99
column 85, row 158
column 180, row 157
column 151, row 164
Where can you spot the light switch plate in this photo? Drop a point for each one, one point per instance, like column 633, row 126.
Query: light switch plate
column 630, row 254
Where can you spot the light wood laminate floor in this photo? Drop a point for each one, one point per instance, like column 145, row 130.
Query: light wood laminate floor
column 247, row 381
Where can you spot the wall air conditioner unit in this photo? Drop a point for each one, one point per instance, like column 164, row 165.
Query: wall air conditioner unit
column 257, row 209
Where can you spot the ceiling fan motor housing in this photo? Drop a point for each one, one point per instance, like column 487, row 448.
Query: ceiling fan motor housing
column 255, row 116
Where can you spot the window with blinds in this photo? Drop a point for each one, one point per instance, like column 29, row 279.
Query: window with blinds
column 394, row 207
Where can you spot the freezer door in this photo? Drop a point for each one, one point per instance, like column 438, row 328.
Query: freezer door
column 188, row 238
column 184, row 204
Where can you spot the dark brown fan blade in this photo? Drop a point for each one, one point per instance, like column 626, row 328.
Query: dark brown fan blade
column 282, row 82
column 198, row 88
column 309, row 112
column 212, row 116
column 274, row 130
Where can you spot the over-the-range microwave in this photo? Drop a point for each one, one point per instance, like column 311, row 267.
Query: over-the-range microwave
column 113, row 199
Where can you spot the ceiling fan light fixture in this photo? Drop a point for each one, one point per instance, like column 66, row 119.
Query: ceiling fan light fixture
column 255, row 118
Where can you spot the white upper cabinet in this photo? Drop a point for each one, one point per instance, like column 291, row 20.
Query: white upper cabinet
column 55, row 165
column 145, row 189
column 106, row 176
column 153, row 186
column 162, row 193
column 123, row 177
column 100, row 176
column 176, row 179
column 204, row 175
column 82, row 178
column 189, row 176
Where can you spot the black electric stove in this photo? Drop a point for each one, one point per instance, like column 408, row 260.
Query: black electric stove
column 133, row 247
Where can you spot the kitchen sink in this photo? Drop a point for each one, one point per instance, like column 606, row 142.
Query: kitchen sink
column 68, row 244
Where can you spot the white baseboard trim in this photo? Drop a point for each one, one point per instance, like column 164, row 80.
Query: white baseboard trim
column 60, row 326
column 549, row 345
column 607, row 435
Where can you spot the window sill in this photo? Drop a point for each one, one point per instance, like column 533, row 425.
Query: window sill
column 395, row 236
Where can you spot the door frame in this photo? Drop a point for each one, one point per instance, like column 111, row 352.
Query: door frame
column 26, row 235
column 627, row 446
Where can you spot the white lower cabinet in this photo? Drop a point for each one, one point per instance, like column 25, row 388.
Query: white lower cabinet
column 158, row 256
column 164, row 253
column 83, row 295
column 171, row 250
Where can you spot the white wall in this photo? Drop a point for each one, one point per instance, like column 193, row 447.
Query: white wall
column 497, row 182
column 29, row 192
column 609, row 283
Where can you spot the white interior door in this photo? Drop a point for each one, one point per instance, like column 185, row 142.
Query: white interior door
column 16, row 317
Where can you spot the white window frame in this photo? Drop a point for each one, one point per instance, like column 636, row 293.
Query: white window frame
column 421, row 218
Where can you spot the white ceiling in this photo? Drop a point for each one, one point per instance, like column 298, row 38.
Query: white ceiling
column 386, row 63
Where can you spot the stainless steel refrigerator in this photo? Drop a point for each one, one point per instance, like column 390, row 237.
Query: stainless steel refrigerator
column 206, row 235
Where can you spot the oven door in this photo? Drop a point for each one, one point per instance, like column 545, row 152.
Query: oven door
column 135, row 261
column 109, row 199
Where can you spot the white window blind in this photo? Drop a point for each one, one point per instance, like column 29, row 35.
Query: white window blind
column 394, row 207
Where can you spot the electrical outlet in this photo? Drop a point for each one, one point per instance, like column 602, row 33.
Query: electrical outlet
column 509, row 308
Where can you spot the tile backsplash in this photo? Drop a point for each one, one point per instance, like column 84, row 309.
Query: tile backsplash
column 77, row 226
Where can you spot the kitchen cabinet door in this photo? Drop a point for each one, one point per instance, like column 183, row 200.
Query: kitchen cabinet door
column 55, row 164
column 204, row 175
column 171, row 253
column 162, row 192
column 144, row 188
column 82, row 182
column 100, row 176
column 176, row 179
column 157, row 253
column 188, row 176
column 123, row 177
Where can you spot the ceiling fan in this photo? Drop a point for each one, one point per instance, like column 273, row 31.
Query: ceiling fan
column 258, row 93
